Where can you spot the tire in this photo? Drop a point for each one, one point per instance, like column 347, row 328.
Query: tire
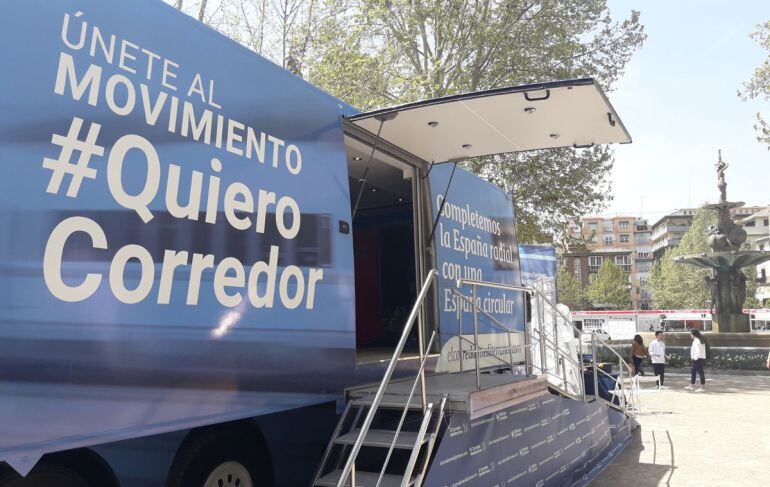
column 45, row 476
column 226, row 457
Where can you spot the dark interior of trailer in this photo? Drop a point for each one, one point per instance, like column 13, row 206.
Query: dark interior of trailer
column 384, row 251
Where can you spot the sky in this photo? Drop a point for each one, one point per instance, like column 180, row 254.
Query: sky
column 678, row 99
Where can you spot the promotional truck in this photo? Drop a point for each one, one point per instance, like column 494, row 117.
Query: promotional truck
column 200, row 251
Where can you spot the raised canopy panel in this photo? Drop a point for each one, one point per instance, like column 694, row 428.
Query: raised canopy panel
column 560, row 114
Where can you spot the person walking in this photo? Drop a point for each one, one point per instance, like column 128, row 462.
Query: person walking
column 768, row 360
column 658, row 357
column 698, row 357
column 637, row 354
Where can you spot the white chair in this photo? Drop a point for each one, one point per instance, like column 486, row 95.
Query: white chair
column 641, row 379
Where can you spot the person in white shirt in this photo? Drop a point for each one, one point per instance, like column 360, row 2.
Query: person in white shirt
column 698, row 356
column 657, row 350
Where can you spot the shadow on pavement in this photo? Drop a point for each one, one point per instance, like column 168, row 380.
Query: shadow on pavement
column 633, row 466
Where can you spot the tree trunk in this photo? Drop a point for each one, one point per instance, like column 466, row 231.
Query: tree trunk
column 202, row 10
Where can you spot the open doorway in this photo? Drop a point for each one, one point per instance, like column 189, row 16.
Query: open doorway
column 384, row 251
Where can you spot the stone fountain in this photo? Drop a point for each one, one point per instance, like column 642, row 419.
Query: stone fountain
column 727, row 283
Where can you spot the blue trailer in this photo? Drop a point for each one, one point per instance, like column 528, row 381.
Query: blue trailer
column 200, row 252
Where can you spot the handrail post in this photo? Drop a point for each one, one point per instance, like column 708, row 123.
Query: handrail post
column 528, row 341
column 460, row 304
column 596, row 372
column 580, row 360
column 541, row 331
column 420, row 343
column 476, row 337
column 350, row 462
column 510, row 352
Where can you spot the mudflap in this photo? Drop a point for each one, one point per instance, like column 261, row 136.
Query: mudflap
column 547, row 441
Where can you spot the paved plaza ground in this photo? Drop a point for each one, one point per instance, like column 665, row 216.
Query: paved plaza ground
column 720, row 437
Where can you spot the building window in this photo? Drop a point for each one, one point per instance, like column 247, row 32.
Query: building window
column 608, row 240
column 624, row 262
column 624, row 239
column 623, row 225
column 593, row 226
column 594, row 263
column 766, row 222
column 643, row 282
column 578, row 270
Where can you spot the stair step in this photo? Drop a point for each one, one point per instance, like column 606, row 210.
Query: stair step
column 388, row 402
column 381, row 438
column 363, row 479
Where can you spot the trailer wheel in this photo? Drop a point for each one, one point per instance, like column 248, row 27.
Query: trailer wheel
column 227, row 457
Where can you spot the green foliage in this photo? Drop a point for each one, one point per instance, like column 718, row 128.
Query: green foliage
column 675, row 285
column 610, row 287
column 570, row 291
column 759, row 84
column 385, row 52
column 375, row 53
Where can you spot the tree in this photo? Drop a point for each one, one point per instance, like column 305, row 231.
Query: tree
column 569, row 289
column 397, row 51
column 759, row 84
column 610, row 288
column 372, row 53
column 676, row 285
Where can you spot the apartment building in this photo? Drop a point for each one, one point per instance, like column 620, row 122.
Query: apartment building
column 625, row 239
column 667, row 232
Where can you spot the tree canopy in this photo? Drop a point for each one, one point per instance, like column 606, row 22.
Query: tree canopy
column 374, row 53
column 759, row 84
column 675, row 285
column 610, row 288
column 570, row 291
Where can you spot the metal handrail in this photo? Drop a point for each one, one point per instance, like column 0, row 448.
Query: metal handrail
column 349, row 464
column 622, row 365
column 403, row 414
column 474, row 284
column 561, row 354
column 495, row 323
column 556, row 348
column 491, row 354
column 608, row 347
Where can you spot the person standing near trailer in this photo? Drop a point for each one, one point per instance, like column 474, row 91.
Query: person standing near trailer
column 637, row 354
column 698, row 356
column 657, row 350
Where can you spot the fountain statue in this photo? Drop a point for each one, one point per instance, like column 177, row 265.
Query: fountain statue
column 727, row 284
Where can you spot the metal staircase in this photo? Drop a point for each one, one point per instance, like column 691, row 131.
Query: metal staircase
column 392, row 445
column 386, row 435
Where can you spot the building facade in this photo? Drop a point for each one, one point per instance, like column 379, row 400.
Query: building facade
column 667, row 232
column 757, row 228
column 625, row 240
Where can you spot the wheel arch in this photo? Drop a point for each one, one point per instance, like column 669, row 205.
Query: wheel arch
column 197, row 438
column 84, row 461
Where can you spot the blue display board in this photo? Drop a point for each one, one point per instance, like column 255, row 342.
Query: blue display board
column 170, row 205
column 475, row 239
column 537, row 261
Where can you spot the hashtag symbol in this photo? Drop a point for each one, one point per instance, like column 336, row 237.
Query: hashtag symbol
column 63, row 165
